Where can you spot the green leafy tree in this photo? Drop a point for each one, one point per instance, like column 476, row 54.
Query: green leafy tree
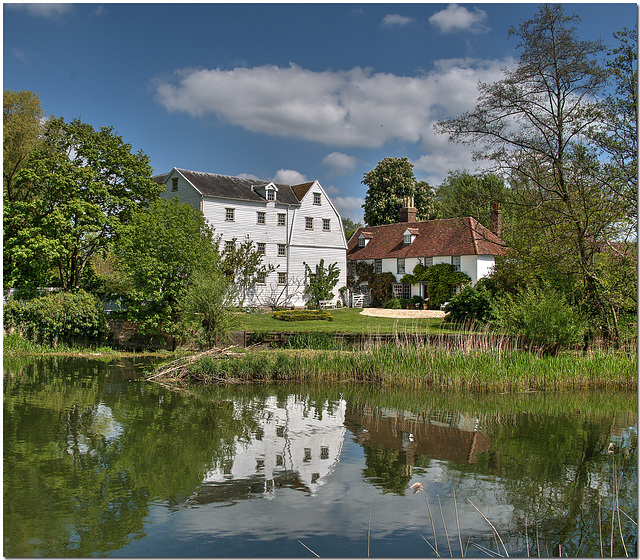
column 207, row 304
column 441, row 280
column 350, row 227
column 533, row 125
column 321, row 282
column 159, row 252
column 21, row 134
column 463, row 194
column 243, row 265
column 89, row 184
column 389, row 186
column 472, row 304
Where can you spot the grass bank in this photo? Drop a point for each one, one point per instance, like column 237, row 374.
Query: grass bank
column 433, row 368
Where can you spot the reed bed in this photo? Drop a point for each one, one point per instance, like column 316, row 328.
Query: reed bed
column 478, row 364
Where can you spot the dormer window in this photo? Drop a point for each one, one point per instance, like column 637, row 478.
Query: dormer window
column 409, row 235
column 268, row 192
column 363, row 239
column 271, row 195
column 361, row 242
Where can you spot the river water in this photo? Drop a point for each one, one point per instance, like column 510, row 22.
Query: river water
column 99, row 462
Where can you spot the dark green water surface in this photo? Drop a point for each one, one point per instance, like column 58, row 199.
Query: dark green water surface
column 99, row 462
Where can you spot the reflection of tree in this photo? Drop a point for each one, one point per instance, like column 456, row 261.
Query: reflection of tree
column 389, row 469
column 75, row 487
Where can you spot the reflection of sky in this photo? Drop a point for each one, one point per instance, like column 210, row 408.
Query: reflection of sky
column 333, row 522
column 102, row 424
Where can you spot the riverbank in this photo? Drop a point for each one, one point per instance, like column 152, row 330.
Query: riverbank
column 432, row 368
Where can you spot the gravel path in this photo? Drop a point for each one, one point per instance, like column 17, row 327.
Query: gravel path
column 403, row 313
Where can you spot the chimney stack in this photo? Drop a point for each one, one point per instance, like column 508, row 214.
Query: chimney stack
column 495, row 220
column 408, row 213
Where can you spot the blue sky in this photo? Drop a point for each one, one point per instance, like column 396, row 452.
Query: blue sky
column 285, row 92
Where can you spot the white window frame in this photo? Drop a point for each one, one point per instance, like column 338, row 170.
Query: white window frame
column 228, row 246
column 317, row 198
column 455, row 262
column 326, row 224
column 174, row 184
column 282, row 278
column 271, row 195
column 229, row 214
column 308, row 223
column 406, row 239
column 428, row 261
column 261, row 278
column 282, row 219
column 282, row 250
column 361, row 241
column 377, row 266
column 261, row 248
column 401, row 265
column 261, row 218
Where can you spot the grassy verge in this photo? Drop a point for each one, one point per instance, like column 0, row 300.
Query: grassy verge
column 345, row 320
column 425, row 367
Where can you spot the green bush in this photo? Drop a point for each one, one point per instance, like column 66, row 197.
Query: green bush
column 471, row 304
column 542, row 316
column 64, row 318
column 393, row 304
column 303, row 315
column 418, row 301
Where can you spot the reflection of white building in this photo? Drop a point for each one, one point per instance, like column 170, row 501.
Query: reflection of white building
column 294, row 444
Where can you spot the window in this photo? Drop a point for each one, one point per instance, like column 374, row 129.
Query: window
column 361, row 241
column 229, row 215
column 308, row 223
column 282, row 250
column 406, row 291
column 317, row 198
column 326, row 224
column 397, row 291
column 279, row 431
column 455, row 261
column 324, row 452
column 282, row 219
column 279, row 460
column 351, row 268
column 406, row 239
column 259, row 464
column 428, row 261
column 400, row 266
column 282, row 278
column 315, row 477
column 271, row 195
column 377, row 266
column 262, row 217
column 174, row 184
column 262, row 248
column 259, row 434
column 261, row 278
column 228, row 245
column 307, row 454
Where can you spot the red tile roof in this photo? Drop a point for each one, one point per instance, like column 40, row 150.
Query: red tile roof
column 435, row 238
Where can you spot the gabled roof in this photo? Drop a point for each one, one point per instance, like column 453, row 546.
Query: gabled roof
column 435, row 238
column 225, row 186
column 302, row 189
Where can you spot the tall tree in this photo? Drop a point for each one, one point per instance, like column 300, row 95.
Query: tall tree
column 22, row 127
column 161, row 250
column 390, row 184
column 534, row 125
column 89, row 183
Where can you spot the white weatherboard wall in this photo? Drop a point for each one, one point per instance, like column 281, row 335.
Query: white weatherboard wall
column 302, row 245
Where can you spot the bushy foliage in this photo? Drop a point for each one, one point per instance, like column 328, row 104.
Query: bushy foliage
column 471, row 304
column 381, row 288
column 542, row 316
column 441, row 278
column 393, row 303
column 68, row 318
column 321, row 282
column 303, row 315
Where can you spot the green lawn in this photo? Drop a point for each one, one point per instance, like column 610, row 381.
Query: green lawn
column 344, row 321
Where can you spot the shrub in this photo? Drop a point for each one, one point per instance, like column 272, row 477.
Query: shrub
column 542, row 316
column 418, row 301
column 68, row 318
column 471, row 304
column 303, row 315
column 393, row 304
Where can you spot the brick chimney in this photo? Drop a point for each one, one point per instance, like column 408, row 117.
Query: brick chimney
column 408, row 213
column 495, row 219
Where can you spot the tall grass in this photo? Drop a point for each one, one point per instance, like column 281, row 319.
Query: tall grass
column 462, row 363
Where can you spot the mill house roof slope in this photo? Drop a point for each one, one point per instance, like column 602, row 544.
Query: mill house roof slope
column 432, row 238
column 238, row 188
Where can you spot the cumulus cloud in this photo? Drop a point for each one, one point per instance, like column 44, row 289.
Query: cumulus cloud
column 350, row 207
column 51, row 11
column 458, row 18
column 350, row 108
column 340, row 164
column 289, row 177
column 396, row 20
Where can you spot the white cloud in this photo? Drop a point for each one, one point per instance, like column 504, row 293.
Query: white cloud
column 248, row 176
column 332, row 190
column 393, row 20
column 340, row 164
column 350, row 207
column 352, row 108
column 289, row 177
column 458, row 18
column 52, row 11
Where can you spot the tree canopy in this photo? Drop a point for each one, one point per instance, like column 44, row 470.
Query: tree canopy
column 390, row 184
column 88, row 184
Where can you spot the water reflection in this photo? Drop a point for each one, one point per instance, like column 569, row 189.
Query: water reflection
column 97, row 461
